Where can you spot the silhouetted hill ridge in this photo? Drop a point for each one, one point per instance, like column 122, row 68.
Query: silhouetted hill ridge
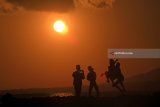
column 151, row 76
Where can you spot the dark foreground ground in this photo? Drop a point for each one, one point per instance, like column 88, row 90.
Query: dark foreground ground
column 118, row 101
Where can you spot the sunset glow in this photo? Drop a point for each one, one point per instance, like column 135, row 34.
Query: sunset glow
column 42, row 41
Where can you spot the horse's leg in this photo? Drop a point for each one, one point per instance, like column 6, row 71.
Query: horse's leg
column 122, row 85
column 119, row 88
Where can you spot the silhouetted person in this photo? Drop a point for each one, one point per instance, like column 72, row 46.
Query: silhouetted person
column 92, row 78
column 78, row 76
column 114, row 74
column 110, row 74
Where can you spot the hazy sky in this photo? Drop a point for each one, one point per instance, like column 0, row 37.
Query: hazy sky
column 33, row 55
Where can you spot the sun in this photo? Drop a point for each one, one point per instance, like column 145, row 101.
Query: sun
column 59, row 26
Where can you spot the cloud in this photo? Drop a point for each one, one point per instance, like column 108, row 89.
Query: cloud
column 60, row 6
column 44, row 5
column 7, row 10
column 98, row 4
column 6, row 7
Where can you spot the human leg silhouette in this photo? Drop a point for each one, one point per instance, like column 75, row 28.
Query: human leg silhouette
column 96, row 88
column 90, row 88
column 77, row 90
column 122, row 85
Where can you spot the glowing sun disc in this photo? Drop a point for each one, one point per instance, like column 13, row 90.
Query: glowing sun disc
column 59, row 26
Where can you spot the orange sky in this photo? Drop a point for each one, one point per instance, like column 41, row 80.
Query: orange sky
column 34, row 56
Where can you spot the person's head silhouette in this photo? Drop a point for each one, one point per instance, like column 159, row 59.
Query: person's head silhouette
column 118, row 64
column 78, row 67
column 111, row 62
column 90, row 68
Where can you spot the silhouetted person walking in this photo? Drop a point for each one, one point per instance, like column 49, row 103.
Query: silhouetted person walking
column 92, row 78
column 78, row 76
